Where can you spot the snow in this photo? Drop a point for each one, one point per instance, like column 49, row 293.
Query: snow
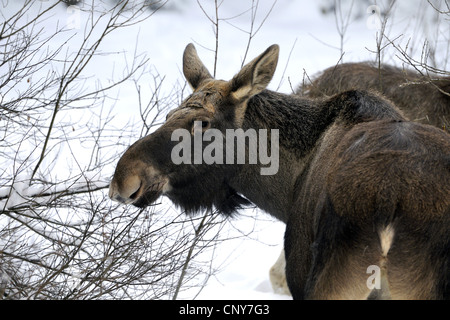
column 245, row 262
column 309, row 43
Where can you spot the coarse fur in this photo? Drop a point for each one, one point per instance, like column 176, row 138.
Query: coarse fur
column 424, row 99
column 358, row 185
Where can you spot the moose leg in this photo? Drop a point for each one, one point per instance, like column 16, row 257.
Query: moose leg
column 278, row 275
column 342, row 254
column 338, row 275
column 419, row 261
column 298, row 257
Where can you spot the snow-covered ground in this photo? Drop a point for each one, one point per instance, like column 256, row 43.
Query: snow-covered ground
column 309, row 42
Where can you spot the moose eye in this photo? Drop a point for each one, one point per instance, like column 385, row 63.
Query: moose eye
column 205, row 124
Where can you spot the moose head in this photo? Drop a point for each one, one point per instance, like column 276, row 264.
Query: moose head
column 159, row 164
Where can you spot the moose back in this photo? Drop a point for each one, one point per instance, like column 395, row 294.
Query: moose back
column 422, row 98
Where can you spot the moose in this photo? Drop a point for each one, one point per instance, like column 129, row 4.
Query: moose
column 424, row 99
column 357, row 184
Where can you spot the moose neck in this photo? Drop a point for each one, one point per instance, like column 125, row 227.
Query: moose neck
column 300, row 123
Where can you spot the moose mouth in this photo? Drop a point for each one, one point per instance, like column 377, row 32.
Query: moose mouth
column 146, row 195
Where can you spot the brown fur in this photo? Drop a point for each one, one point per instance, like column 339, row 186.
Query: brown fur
column 424, row 99
column 357, row 185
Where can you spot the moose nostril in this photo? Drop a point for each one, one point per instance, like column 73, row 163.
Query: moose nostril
column 131, row 188
column 134, row 195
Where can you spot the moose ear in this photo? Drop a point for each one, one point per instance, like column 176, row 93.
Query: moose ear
column 193, row 69
column 256, row 75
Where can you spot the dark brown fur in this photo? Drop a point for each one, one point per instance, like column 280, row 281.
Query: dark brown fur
column 424, row 99
column 357, row 185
